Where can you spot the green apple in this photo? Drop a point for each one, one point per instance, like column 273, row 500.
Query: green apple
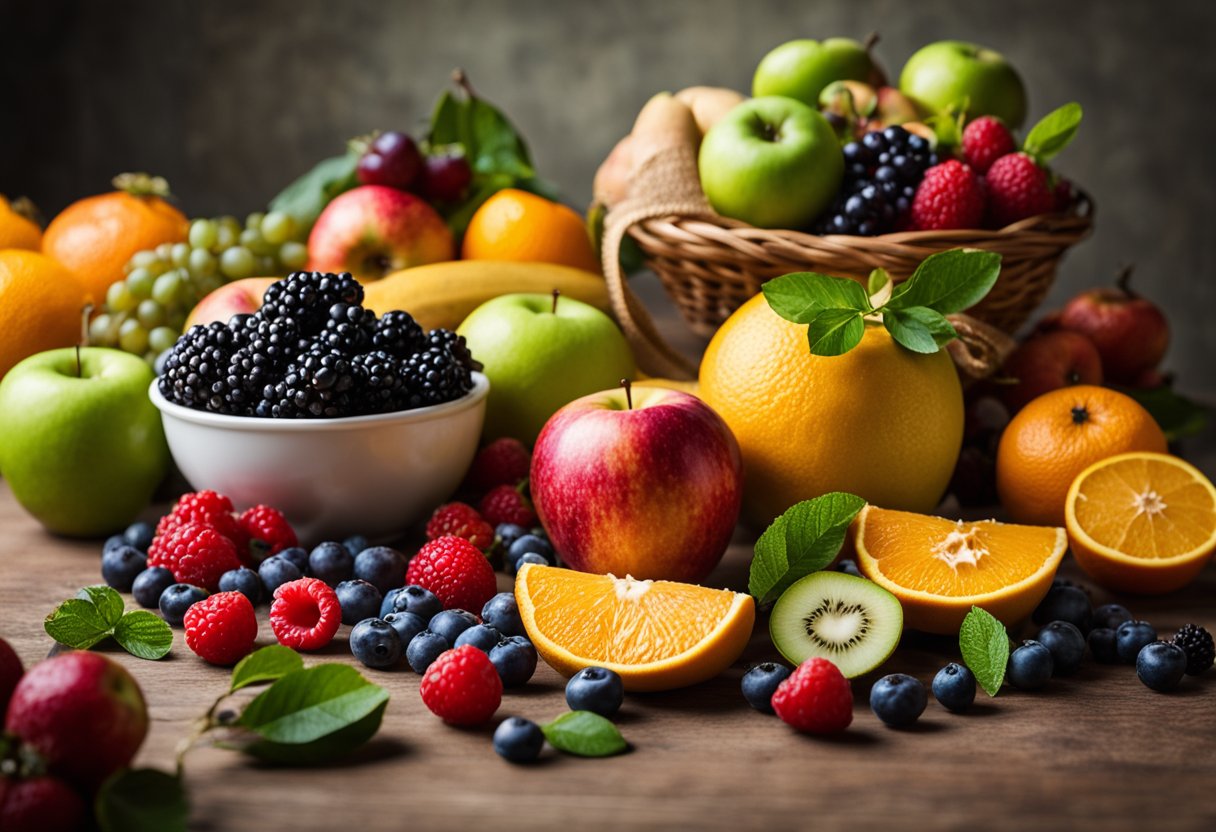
column 772, row 162
column 81, row 445
column 953, row 72
column 540, row 353
column 802, row 68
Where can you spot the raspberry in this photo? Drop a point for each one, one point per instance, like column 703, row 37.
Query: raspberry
column 816, row 698
column 453, row 569
column 461, row 687
column 950, row 196
column 984, row 141
column 195, row 554
column 269, row 531
column 504, row 461
column 461, row 520
column 1017, row 189
column 208, row 508
column 305, row 614
column 222, row 628
column 44, row 803
column 504, row 504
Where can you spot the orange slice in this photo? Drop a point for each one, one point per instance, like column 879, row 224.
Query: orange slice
column 657, row 635
column 1142, row 522
column 939, row 569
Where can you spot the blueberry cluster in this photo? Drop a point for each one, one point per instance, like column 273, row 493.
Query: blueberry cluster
column 882, row 170
column 314, row 352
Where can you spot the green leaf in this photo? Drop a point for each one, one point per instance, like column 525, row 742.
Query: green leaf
column 144, row 634
column 1177, row 415
column 985, row 647
column 306, row 197
column 802, row 540
column 76, row 623
column 918, row 328
column 800, row 296
column 835, row 331
column 584, row 734
column 142, row 800
column 1053, row 133
column 879, row 279
column 265, row 665
column 445, row 121
column 107, row 601
column 949, row 281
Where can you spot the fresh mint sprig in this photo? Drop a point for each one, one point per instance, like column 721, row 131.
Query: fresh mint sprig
column 985, row 647
column 96, row 613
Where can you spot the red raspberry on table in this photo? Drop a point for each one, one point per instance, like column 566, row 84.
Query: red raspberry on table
column 461, row 687
column 950, row 196
column 504, row 504
column 984, row 141
column 1017, row 188
column 815, row 698
column 455, row 570
column 222, row 628
column 305, row 614
column 195, row 554
column 268, row 530
column 504, row 461
column 208, row 508
column 39, row 804
column 461, row 520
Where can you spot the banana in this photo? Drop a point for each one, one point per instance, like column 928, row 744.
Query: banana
column 443, row 294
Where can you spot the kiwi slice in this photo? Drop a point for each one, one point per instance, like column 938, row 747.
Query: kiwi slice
column 852, row 622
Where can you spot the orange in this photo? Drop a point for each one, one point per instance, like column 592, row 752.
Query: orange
column 96, row 236
column 517, row 225
column 657, row 635
column 879, row 421
column 1056, row 437
column 41, row 306
column 939, row 569
column 1142, row 522
column 17, row 230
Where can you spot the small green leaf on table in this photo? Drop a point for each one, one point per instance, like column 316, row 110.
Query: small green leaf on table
column 96, row 613
column 985, row 647
column 1053, row 133
column 268, row 664
column 142, row 800
column 584, row 734
column 144, row 634
column 76, row 623
column 106, row 600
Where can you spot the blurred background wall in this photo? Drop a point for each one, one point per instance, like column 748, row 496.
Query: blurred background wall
column 231, row 100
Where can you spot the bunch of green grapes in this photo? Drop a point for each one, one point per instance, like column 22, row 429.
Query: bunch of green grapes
column 144, row 313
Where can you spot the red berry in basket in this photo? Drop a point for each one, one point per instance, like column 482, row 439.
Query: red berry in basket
column 221, row 628
column 1017, row 189
column 815, row 698
column 456, row 571
column 504, row 504
column 195, row 554
column 984, row 141
column 305, row 614
column 268, row 529
column 504, row 461
column 208, row 508
column 950, row 196
column 461, row 687
column 39, row 804
column 461, row 520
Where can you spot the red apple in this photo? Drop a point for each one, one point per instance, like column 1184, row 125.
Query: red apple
column 240, row 297
column 1130, row 332
column 1047, row 361
column 373, row 230
column 40, row 803
column 646, row 484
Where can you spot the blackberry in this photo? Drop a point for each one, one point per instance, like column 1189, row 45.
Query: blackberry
column 381, row 382
column 348, row 329
column 434, row 376
column 1197, row 643
column 398, row 334
column 456, row 346
column 316, row 385
column 270, row 346
column 308, row 296
column 195, row 373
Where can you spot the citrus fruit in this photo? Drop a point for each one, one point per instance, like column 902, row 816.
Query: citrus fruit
column 1056, row 437
column 879, row 421
column 657, row 635
column 41, row 304
column 517, row 225
column 96, row 236
column 939, row 569
column 1142, row 522
column 17, row 230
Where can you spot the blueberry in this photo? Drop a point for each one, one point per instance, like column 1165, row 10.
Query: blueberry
column 113, row 542
column 1160, row 665
column 515, row 660
column 375, row 643
column 954, row 687
column 595, row 689
column 508, row 533
column 359, row 600
column 331, row 562
column 149, row 585
column 502, row 613
column 1065, row 602
column 243, row 580
column 849, row 567
column 276, row 571
column 1130, row 638
column 898, row 699
column 1102, row 645
column 1029, row 666
column 421, row 602
column 424, row 648
column 1066, row 644
column 120, row 566
column 380, row 566
column 140, row 535
column 518, row 740
column 298, row 557
column 529, row 543
column 355, row 544
column 386, row 606
column 1111, row 616
column 406, row 624
column 451, row 623
column 531, row 557
column 178, row 598
column 760, row 683
column 482, row 636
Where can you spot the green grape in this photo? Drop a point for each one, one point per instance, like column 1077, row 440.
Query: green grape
column 181, row 254
column 100, row 334
column 158, row 267
column 237, row 262
column 132, row 337
column 150, row 314
column 150, row 357
column 225, row 238
column 202, row 263
column 293, row 255
column 231, row 223
column 162, row 338
column 166, row 289
column 202, row 233
column 252, row 239
column 164, row 251
column 277, row 227
column 268, row 266
column 139, row 283
column 142, row 259
column 254, row 220
column 119, row 298
column 177, row 320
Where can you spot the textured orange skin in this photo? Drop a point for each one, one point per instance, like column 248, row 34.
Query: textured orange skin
column 17, row 231
column 517, row 225
column 41, row 304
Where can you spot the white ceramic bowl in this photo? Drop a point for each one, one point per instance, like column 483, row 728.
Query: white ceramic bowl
column 370, row 475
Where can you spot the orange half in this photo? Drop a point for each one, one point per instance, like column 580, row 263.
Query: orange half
column 1142, row 522
column 939, row 569
column 658, row 635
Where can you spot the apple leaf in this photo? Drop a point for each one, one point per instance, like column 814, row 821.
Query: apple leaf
column 1053, row 133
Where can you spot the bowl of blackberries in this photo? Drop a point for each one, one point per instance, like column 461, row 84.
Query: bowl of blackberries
column 341, row 418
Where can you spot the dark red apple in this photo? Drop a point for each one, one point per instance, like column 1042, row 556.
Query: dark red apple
column 391, row 159
column 1130, row 332
column 40, row 804
column 1047, row 361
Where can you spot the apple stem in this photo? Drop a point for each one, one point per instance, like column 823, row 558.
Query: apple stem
column 871, row 41
column 86, row 312
column 460, row 79
column 1124, row 280
column 557, row 293
column 79, row 372
column 628, row 385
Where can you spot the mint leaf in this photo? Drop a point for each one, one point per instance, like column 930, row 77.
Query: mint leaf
column 1177, row 415
column 76, row 623
column 835, row 331
column 985, row 647
column 584, row 734
column 1053, row 133
column 949, row 281
column 802, row 540
column 106, row 600
column 800, row 296
column 142, row 800
column 144, row 635
column 306, row 197
column 918, row 328
column 265, row 665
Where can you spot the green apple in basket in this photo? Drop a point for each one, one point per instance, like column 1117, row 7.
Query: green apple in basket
column 955, row 73
column 802, row 68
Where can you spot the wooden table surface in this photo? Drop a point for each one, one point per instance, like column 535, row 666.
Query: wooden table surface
column 1095, row 751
